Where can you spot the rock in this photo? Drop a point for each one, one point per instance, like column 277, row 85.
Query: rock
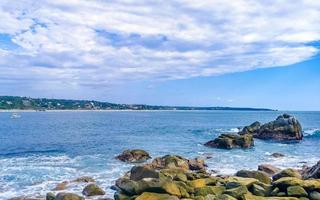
column 50, row 196
column 198, row 183
column 296, row 191
column 258, row 190
column 277, row 155
column 210, row 197
column 269, row 169
column 140, row 172
column 135, row 155
column 68, row 196
column 248, row 182
column 225, row 197
column 121, row 196
column 27, row 198
column 156, row 196
column 173, row 174
column 92, row 190
column 206, row 190
column 249, row 196
column 261, row 176
column 169, row 162
column 196, row 164
column 84, row 179
column 251, row 129
column 237, row 192
column 312, row 172
column 287, row 173
column 285, row 127
column 229, row 141
column 314, row 195
column 287, row 181
column 61, row 186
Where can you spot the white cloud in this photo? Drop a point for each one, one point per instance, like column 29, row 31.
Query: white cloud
column 97, row 42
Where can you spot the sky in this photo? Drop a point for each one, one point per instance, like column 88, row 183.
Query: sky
column 244, row 53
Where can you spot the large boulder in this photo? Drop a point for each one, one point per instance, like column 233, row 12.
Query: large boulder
column 285, row 127
column 140, row 172
column 259, row 175
column 229, row 141
column 287, row 173
column 92, row 190
column 135, row 155
column 312, row 172
column 177, row 162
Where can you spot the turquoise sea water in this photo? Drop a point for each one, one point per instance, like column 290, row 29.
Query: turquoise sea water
column 41, row 149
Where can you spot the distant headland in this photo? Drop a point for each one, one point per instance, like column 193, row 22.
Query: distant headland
column 43, row 104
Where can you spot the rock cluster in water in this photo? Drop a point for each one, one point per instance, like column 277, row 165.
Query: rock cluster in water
column 285, row 127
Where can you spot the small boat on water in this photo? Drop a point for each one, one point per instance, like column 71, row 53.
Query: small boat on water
column 15, row 116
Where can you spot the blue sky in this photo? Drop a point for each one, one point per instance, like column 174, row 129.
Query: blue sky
column 182, row 52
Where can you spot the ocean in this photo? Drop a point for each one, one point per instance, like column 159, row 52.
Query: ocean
column 40, row 149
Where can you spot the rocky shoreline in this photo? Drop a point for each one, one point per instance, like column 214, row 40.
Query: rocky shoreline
column 173, row 177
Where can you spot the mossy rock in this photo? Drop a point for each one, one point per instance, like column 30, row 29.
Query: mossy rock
column 92, row 190
column 285, row 182
column 155, row 196
column 122, row 196
column 243, row 181
column 237, row 192
column 50, row 196
column 140, row 172
column 259, row 175
column 311, row 184
column 198, row 183
column 296, row 191
column 173, row 174
column 68, row 196
column 199, row 198
column 210, row 197
column 314, row 195
column 249, row 196
column 287, row 173
column 258, row 190
column 225, row 197
column 204, row 191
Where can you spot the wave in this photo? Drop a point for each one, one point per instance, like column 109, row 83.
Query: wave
column 311, row 133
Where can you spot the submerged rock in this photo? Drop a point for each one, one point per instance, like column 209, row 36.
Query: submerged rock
column 285, row 127
column 277, row 155
column 92, row 190
column 61, row 186
column 135, row 155
column 312, row 172
column 84, row 179
column 230, row 141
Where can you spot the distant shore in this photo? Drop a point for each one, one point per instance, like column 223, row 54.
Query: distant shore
column 116, row 110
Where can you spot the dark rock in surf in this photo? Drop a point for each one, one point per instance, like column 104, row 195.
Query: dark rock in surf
column 135, row 155
column 230, row 141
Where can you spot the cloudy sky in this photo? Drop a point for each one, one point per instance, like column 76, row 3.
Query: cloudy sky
column 178, row 52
